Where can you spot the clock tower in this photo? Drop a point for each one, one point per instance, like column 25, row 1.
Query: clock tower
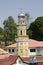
column 22, row 38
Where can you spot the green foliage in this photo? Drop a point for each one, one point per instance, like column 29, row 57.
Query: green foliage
column 1, row 31
column 29, row 33
column 36, row 29
column 10, row 30
column 1, row 34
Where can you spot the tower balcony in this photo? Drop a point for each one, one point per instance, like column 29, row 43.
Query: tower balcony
column 21, row 38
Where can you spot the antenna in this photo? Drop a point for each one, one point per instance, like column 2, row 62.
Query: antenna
column 21, row 10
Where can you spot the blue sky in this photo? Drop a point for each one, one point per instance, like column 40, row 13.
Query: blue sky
column 13, row 7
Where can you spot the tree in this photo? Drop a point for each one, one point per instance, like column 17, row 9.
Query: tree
column 36, row 29
column 1, row 31
column 1, row 34
column 10, row 29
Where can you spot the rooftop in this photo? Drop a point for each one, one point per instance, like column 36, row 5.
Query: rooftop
column 31, row 43
column 12, row 59
column 2, row 52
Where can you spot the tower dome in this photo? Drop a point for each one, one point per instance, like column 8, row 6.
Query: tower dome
column 21, row 14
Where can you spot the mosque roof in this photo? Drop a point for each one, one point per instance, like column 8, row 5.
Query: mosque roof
column 31, row 43
column 11, row 46
column 34, row 43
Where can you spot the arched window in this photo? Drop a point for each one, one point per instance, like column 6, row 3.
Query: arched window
column 21, row 32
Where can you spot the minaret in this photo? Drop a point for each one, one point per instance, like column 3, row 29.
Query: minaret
column 22, row 40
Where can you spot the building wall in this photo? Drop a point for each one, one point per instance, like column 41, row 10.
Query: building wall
column 23, row 49
column 12, row 52
column 22, row 46
column 32, row 53
column 19, row 62
column 39, row 51
column 23, row 28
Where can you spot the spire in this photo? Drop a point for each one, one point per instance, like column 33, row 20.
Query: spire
column 21, row 10
column 21, row 13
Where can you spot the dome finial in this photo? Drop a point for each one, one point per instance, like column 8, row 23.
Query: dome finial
column 21, row 10
column 21, row 13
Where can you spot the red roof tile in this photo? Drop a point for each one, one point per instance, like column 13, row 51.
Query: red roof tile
column 39, row 57
column 2, row 51
column 35, row 57
column 12, row 46
column 4, row 56
column 32, row 43
column 40, row 63
column 12, row 58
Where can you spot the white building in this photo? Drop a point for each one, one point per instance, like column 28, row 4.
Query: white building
column 35, row 48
